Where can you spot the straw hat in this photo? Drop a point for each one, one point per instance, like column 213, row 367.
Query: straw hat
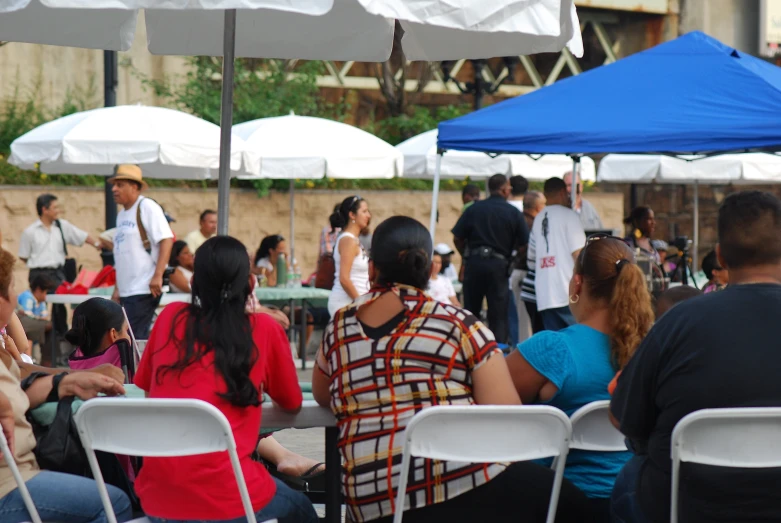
column 129, row 172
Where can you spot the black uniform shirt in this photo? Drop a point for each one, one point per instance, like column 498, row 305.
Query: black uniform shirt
column 493, row 223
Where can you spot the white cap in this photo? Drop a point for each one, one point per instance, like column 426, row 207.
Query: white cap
column 443, row 249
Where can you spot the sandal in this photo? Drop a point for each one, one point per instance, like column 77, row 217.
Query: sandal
column 310, row 481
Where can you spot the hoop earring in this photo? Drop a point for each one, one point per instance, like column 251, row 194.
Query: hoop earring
column 574, row 299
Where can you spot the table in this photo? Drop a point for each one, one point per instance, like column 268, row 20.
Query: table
column 310, row 416
column 305, row 295
column 290, row 295
column 76, row 299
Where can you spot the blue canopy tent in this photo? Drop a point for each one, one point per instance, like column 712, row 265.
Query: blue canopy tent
column 689, row 96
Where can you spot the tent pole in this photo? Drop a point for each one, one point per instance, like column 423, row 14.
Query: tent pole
column 226, row 120
column 575, row 174
column 435, row 198
column 695, row 254
column 292, row 221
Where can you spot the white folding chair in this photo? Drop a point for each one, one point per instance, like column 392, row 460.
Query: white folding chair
column 156, row 428
column 11, row 464
column 736, row 437
column 517, row 433
column 592, row 429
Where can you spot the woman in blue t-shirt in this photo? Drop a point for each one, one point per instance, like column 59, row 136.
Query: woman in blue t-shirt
column 572, row 367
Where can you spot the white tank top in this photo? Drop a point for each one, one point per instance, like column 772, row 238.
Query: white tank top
column 359, row 273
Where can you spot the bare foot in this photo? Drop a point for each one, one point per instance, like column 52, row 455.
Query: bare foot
column 296, row 465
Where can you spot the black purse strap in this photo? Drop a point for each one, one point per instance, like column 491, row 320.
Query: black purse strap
column 64, row 417
column 62, row 234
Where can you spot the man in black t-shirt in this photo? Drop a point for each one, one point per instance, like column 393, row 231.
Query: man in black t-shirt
column 717, row 350
column 486, row 235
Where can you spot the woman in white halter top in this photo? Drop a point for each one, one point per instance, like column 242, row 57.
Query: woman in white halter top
column 351, row 260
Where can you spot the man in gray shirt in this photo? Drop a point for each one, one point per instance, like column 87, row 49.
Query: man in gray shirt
column 589, row 217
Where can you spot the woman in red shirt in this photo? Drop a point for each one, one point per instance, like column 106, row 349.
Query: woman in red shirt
column 214, row 351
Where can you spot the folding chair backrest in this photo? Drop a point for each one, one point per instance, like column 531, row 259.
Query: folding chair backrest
column 734, row 437
column 516, row 433
column 10, row 462
column 592, row 429
column 156, row 428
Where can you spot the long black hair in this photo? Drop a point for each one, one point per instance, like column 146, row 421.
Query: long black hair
column 216, row 321
column 341, row 216
column 176, row 250
column 266, row 244
column 91, row 321
column 401, row 252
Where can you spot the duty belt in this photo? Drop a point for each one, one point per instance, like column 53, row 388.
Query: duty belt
column 485, row 252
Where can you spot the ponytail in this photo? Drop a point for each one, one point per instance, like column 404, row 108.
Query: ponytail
column 91, row 321
column 341, row 216
column 631, row 315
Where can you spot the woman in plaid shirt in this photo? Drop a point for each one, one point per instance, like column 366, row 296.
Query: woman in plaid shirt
column 396, row 351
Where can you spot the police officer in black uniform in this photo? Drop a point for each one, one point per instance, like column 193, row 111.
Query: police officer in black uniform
column 486, row 235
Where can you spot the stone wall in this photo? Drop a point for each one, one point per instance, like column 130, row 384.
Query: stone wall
column 251, row 218
column 673, row 206
column 51, row 72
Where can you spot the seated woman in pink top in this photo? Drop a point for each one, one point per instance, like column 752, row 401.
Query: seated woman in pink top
column 212, row 350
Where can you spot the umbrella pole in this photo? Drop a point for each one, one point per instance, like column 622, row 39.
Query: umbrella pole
column 695, row 254
column 226, row 120
column 435, row 198
column 574, row 190
column 292, row 221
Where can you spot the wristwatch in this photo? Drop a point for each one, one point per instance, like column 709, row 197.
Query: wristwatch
column 96, row 244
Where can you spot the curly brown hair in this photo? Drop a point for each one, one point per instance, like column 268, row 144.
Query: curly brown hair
column 611, row 275
column 7, row 261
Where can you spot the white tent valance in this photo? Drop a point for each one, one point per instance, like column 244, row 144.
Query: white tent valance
column 420, row 161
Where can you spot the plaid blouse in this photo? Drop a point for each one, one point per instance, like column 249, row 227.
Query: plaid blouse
column 377, row 386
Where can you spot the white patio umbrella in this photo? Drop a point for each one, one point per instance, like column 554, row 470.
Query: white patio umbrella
column 294, row 147
column 745, row 168
column 420, row 161
column 303, row 29
column 166, row 143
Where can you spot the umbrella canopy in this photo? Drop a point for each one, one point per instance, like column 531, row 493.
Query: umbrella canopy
column 166, row 143
column 420, row 159
column 290, row 147
column 334, row 30
column 757, row 168
column 301, row 29
column 692, row 95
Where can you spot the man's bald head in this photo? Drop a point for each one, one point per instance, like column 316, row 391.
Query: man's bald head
column 533, row 202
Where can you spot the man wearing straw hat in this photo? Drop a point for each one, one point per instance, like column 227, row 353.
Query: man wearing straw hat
column 142, row 246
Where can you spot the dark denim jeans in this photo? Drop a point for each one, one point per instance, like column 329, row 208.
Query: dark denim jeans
column 624, row 503
column 140, row 312
column 64, row 498
column 287, row 506
column 557, row 319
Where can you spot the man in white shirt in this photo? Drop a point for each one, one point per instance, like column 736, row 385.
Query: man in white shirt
column 207, row 230
column 557, row 236
column 141, row 250
column 43, row 247
column 589, row 217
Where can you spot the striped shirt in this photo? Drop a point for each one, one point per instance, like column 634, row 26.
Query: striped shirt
column 377, row 386
column 528, row 290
